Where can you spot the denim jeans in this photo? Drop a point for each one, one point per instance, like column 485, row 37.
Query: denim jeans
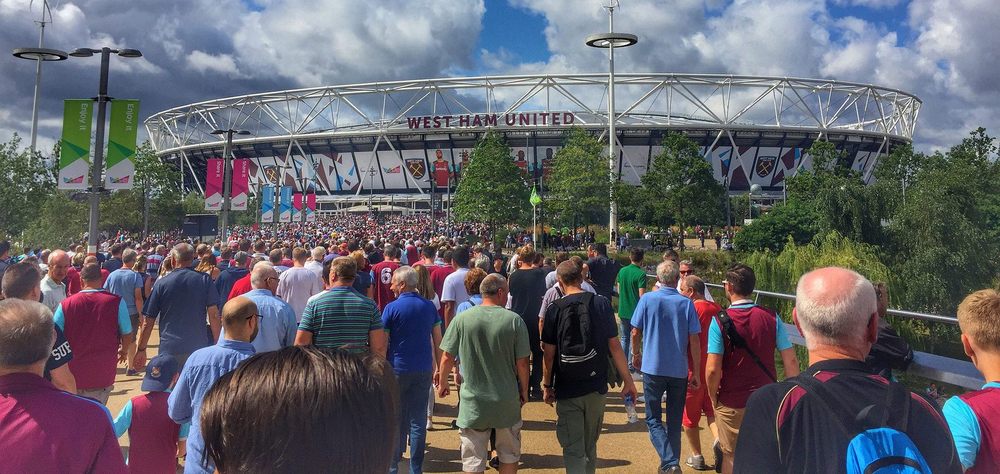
column 625, row 335
column 414, row 390
column 666, row 440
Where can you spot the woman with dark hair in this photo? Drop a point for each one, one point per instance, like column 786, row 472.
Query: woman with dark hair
column 303, row 409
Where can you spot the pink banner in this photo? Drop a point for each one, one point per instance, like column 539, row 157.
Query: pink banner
column 311, row 207
column 296, row 207
column 213, row 185
column 240, row 184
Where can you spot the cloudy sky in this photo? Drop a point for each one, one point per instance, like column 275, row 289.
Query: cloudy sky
column 944, row 51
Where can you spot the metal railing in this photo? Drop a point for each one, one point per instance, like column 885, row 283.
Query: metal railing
column 931, row 366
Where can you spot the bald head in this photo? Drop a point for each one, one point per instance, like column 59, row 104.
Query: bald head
column 261, row 275
column 59, row 263
column 834, row 307
column 238, row 317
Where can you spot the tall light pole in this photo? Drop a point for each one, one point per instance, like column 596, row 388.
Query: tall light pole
column 612, row 40
column 39, row 55
column 97, row 164
column 227, row 175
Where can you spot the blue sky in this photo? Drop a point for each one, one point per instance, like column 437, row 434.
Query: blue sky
column 517, row 30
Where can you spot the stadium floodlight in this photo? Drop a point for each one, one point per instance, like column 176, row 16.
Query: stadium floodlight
column 612, row 40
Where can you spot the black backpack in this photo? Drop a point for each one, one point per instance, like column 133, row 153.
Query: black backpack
column 578, row 357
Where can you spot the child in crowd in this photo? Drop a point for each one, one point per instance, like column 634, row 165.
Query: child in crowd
column 155, row 441
column 974, row 418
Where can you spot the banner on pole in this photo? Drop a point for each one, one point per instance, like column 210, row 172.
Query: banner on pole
column 240, row 186
column 297, row 207
column 213, row 184
column 310, row 207
column 121, row 144
column 267, row 204
column 285, row 205
column 74, row 152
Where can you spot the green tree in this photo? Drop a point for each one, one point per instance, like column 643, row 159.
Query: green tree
column 160, row 184
column 580, row 180
column 25, row 182
column 680, row 185
column 58, row 221
column 792, row 222
column 838, row 196
column 193, row 203
column 944, row 237
column 492, row 188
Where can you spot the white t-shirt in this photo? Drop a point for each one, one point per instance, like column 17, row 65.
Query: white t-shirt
column 316, row 267
column 296, row 285
column 454, row 287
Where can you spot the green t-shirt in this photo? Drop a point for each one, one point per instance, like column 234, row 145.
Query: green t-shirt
column 630, row 280
column 488, row 340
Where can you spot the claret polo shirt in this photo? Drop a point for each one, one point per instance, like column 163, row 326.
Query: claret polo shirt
column 43, row 429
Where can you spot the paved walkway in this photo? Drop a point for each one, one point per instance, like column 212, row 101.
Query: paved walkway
column 623, row 447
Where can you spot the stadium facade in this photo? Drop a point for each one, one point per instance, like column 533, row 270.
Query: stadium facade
column 392, row 141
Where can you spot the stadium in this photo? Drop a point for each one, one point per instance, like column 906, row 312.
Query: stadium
column 403, row 143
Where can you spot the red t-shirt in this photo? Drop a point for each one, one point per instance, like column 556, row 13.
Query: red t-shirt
column 73, row 283
column 437, row 279
column 706, row 311
column 383, row 279
column 240, row 287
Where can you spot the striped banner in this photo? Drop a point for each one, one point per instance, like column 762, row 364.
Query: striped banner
column 74, row 152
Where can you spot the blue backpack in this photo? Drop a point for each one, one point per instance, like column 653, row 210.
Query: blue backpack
column 879, row 444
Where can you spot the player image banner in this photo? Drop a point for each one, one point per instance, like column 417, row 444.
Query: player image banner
column 267, row 204
column 213, row 184
column 285, row 204
column 310, row 207
column 74, row 152
column 121, row 144
column 240, row 186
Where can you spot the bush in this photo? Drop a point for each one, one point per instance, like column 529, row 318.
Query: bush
column 788, row 222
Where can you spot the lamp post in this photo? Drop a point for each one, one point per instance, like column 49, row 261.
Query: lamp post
column 227, row 176
column 97, row 165
column 755, row 190
column 39, row 55
column 612, row 40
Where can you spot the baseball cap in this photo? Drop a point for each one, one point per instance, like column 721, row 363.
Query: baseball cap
column 159, row 373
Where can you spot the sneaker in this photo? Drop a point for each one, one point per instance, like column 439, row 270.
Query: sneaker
column 131, row 373
column 670, row 470
column 495, row 462
column 697, row 463
column 640, row 399
column 454, row 424
column 430, row 423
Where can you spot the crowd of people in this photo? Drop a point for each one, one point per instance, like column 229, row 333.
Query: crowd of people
column 323, row 346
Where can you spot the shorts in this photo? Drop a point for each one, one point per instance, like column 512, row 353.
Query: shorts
column 135, row 324
column 99, row 394
column 474, row 447
column 728, row 420
column 696, row 403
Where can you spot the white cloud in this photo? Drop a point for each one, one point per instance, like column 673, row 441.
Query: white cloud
column 206, row 63
column 201, row 49
column 876, row 4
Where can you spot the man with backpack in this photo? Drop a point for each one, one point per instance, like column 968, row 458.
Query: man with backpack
column 740, row 360
column 838, row 416
column 665, row 330
column 578, row 335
